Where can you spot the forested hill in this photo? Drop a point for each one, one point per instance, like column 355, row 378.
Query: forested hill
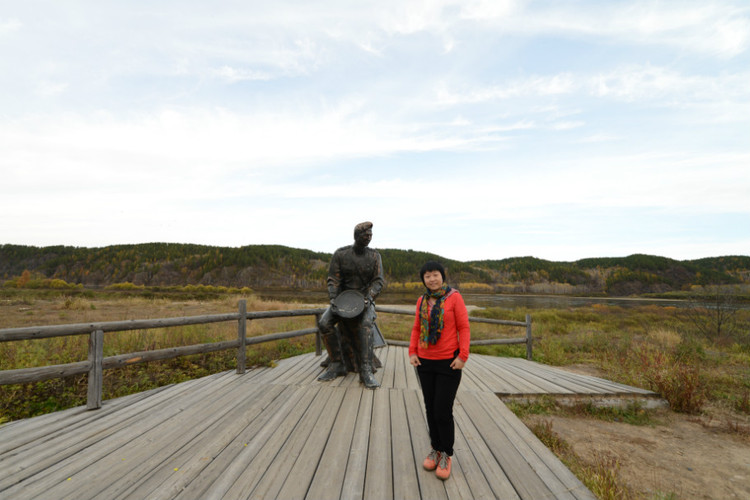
column 165, row 264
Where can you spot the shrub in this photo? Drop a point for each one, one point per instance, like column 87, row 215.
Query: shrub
column 680, row 384
column 125, row 286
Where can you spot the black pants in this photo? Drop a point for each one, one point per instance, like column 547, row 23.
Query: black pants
column 439, row 385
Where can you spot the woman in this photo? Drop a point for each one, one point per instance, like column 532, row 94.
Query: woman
column 439, row 348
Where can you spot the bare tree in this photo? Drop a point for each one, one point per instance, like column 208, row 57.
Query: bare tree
column 713, row 311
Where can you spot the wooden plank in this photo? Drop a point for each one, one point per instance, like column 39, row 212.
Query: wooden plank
column 70, row 460
column 523, row 437
column 477, row 486
column 351, row 380
column 474, row 377
column 524, row 479
column 404, row 467
column 34, row 433
column 290, row 371
column 604, row 385
column 29, row 431
column 312, row 371
column 281, row 466
column 38, row 332
column 354, row 479
column 429, row 485
column 379, row 475
column 525, row 445
column 389, row 368
column 505, row 377
column 328, row 480
column 150, row 450
column 488, row 380
column 412, row 378
column 546, row 385
column 313, row 459
column 96, row 355
column 285, row 370
column 580, row 384
column 244, row 473
column 400, row 359
column 478, row 459
column 518, row 378
column 241, row 336
column 152, row 479
column 47, row 454
column 234, row 461
column 38, row 374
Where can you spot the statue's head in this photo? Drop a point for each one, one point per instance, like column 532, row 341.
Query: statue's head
column 363, row 234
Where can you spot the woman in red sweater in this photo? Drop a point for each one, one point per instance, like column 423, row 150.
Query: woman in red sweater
column 439, row 348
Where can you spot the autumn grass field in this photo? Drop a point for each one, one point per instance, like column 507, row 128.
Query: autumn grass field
column 654, row 347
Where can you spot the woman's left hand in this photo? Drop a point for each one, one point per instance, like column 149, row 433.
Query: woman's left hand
column 457, row 363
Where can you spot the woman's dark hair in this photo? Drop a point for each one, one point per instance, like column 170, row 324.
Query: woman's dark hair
column 432, row 265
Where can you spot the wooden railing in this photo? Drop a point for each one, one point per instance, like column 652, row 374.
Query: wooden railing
column 97, row 363
column 523, row 340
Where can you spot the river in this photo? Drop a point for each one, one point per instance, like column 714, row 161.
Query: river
column 484, row 299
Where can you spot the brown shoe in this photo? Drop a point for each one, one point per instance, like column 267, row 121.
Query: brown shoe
column 443, row 470
column 430, row 463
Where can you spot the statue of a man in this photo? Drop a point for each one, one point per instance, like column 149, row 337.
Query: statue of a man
column 353, row 267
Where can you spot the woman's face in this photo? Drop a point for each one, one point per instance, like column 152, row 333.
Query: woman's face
column 433, row 280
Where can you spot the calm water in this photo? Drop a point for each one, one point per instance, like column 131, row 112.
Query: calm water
column 481, row 300
column 561, row 302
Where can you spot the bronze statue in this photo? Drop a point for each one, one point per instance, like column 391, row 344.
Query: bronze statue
column 347, row 327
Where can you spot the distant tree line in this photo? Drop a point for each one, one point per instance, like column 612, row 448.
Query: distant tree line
column 258, row 266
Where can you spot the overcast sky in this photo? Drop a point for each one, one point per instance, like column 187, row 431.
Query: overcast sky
column 474, row 130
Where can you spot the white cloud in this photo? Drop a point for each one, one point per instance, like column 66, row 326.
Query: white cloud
column 233, row 75
column 539, row 85
column 49, row 89
column 646, row 82
column 8, row 26
column 718, row 28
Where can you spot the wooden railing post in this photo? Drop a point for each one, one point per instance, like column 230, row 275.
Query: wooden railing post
column 96, row 373
column 241, row 336
column 318, row 340
column 528, row 337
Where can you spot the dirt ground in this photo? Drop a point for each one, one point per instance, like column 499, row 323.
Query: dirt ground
column 686, row 456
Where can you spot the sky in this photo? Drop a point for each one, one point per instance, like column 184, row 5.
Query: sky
column 474, row 130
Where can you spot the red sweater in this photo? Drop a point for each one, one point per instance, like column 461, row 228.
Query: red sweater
column 456, row 333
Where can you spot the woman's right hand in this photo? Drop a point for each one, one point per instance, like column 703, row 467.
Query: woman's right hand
column 414, row 360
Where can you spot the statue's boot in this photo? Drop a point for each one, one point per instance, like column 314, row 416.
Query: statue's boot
column 365, row 375
column 335, row 367
column 365, row 369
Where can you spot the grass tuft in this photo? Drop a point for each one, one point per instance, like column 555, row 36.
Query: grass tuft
column 600, row 475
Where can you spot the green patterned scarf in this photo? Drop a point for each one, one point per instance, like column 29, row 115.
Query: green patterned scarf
column 432, row 323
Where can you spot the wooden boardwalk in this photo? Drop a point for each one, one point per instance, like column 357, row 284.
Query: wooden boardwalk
column 278, row 433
